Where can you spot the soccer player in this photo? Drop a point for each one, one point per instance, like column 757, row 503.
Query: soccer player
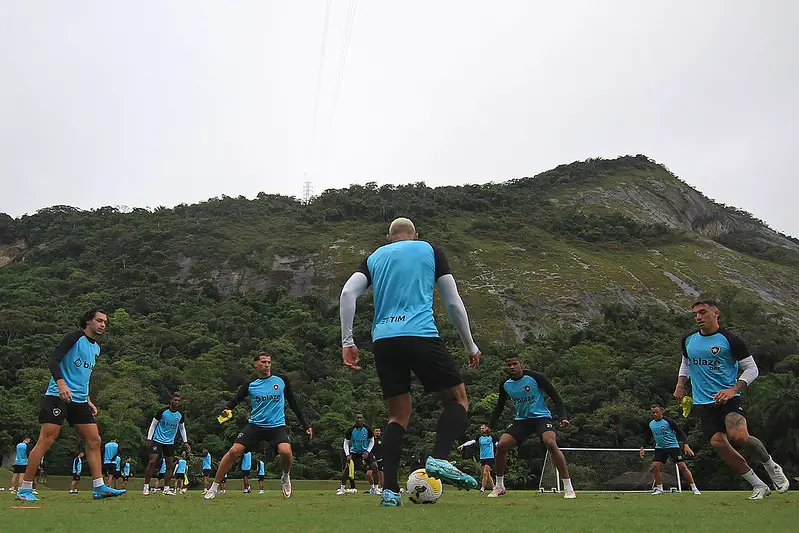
column 666, row 433
column 206, row 469
column 164, row 427
column 110, row 454
column 377, row 452
column 67, row 398
column 77, row 468
column 358, row 443
column 403, row 275
column 160, row 476
column 487, row 444
column 126, row 473
column 20, row 463
column 246, row 467
column 261, row 475
column 180, row 473
column 268, row 395
column 711, row 357
column 117, row 470
column 526, row 389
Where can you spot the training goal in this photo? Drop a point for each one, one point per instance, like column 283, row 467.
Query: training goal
column 608, row 470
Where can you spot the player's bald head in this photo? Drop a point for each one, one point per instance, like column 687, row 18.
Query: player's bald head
column 401, row 229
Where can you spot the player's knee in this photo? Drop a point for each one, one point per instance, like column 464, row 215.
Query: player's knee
column 284, row 449
column 739, row 438
column 719, row 441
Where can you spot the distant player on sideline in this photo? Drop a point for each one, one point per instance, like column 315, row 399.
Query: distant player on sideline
column 67, row 398
column 20, row 463
column 261, row 475
column 268, row 395
column 487, row 444
column 403, row 275
column 358, row 443
column 164, row 427
column 711, row 357
column 377, row 452
column 160, row 476
column 110, row 454
column 246, row 468
column 126, row 473
column 666, row 433
column 179, row 474
column 206, row 470
column 77, row 468
column 117, row 470
column 527, row 389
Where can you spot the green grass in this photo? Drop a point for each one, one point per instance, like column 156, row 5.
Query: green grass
column 314, row 507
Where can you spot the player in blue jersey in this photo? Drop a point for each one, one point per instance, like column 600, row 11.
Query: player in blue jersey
column 67, row 398
column 268, row 393
column 358, row 443
column 181, row 469
column 377, row 475
column 403, row 275
column 159, row 478
column 166, row 424
column 261, row 468
column 77, row 468
column 110, row 454
column 668, row 436
column 487, row 444
column 711, row 358
column 526, row 390
column 126, row 473
column 206, row 470
column 117, row 470
column 20, row 463
column 246, row 468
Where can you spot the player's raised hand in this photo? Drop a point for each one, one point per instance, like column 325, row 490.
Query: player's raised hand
column 687, row 449
column 309, row 432
column 564, row 423
column 351, row 357
column 474, row 359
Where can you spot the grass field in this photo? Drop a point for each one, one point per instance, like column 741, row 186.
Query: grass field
column 314, row 507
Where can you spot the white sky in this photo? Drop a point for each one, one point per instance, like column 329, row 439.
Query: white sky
column 147, row 103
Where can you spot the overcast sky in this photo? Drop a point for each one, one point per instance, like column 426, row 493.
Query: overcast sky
column 147, row 103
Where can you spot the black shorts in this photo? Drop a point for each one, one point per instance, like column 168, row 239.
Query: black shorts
column 712, row 415
column 360, row 464
column 117, row 474
column 54, row 410
column 206, row 472
column 246, row 473
column 260, row 478
column 160, row 475
column 162, row 450
column 426, row 357
column 20, row 469
column 489, row 462
column 75, row 477
column 521, row 429
column 109, row 469
column 379, row 463
column 124, row 477
column 251, row 435
column 663, row 454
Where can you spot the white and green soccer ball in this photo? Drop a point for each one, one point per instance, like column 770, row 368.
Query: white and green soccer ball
column 423, row 488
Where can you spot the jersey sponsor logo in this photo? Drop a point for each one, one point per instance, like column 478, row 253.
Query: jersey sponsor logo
column 715, row 350
column 267, row 398
column 85, row 364
column 523, row 399
column 391, row 319
column 713, row 364
column 56, row 411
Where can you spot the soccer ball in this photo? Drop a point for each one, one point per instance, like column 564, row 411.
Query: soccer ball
column 423, row 488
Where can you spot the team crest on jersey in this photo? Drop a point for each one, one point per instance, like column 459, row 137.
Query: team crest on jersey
column 715, row 350
column 78, row 362
column 56, row 411
column 527, row 388
column 177, row 418
column 276, row 386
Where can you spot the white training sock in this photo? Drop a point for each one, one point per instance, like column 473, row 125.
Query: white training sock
column 146, row 486
column 98, row 482
column 659, row 487
column 770, row 463
column 752, row 478
column 501, row 482
column 567, row 485
column 26, row 485
column 286, row 476
column 214, row 487
column 693, row 486
column 343, row 487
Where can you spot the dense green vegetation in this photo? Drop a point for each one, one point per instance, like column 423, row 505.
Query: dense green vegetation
column 179, row 322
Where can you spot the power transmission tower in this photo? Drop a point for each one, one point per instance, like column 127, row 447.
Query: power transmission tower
column 307, row 192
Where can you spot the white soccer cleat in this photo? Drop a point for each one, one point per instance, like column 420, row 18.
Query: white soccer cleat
column 570, row 495
column 146, row 492
column 260, row 492
column 286, row 486
column 657, row 491
column 352, row 491
column 696, row 491
column 760, row 492
column 223, row 491
column 168, row 492
column 378, row 491
column 778, row 477
column 209, row 495
column 183, row 490
column 205, row 490
column 341, row 492
column 496, row 493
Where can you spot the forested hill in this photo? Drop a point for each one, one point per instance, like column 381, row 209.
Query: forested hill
column 587, row 269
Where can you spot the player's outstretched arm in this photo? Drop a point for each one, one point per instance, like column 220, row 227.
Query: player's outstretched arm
column 467, row 444
column 355, row 286
column 240, row 396
column 545, row 385
column 458, row 315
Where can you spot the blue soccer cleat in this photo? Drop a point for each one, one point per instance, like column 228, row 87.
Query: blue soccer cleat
column 26, row 495
column 104, row 491
column 391, row 499
column 447, row 473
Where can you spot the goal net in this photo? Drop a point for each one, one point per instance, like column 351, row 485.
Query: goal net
column 608, row 470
